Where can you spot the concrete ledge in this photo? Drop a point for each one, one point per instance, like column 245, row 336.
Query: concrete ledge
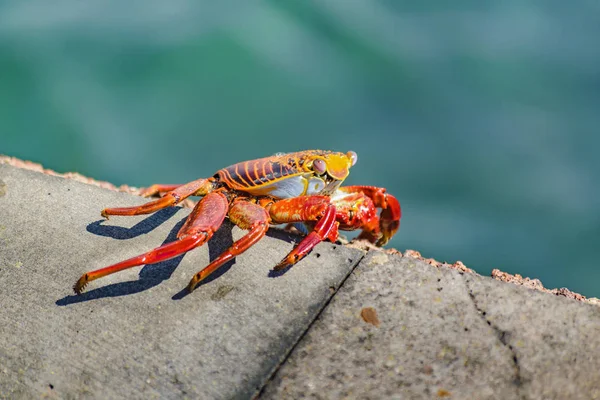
column 400, row 328
column 136, row 334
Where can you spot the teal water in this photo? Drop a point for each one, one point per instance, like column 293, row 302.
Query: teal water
column 482, row 118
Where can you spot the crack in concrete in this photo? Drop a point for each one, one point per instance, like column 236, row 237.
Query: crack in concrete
column 503, row 337
column 271, row 376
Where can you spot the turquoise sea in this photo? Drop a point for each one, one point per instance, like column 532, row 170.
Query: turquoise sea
column 481, row 117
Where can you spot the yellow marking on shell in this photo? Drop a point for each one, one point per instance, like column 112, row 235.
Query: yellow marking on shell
column 262, row 188
column 338, row 165
column 305, row 181
column 276, row 180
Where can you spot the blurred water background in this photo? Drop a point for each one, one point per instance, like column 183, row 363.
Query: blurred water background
column 481, row 117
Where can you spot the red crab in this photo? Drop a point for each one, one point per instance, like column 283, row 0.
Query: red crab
column 299, row 188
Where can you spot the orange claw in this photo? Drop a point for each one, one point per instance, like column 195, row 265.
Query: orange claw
column 204, row 220
column 389, row 219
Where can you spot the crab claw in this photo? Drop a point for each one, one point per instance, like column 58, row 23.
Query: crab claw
column 389, row 219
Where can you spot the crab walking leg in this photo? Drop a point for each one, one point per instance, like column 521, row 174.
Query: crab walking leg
column 204, row 220
column 390, row 209
column 305, row 208
column 164, row 252
column 157, row 189
column 198, row 187
column 247, row 216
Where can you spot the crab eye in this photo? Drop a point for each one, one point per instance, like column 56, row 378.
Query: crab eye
column 353, row 157
column 319, row 166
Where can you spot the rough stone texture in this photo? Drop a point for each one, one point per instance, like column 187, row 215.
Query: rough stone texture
column 400, row 327
column 135, row 334
column 442, row 333
column 537, row 285
column 554, row 342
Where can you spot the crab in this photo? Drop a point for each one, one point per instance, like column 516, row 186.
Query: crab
column 302, row 188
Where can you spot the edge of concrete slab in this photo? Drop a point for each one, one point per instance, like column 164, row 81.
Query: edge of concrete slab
column 516, row 279
column 400, row 327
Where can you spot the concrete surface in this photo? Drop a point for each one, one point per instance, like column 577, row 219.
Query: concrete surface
column 135, row 334
column 442, row 334
column 397, row 328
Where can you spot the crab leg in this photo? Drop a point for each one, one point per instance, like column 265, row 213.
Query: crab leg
column 201, row 224
column 389, row 219
column 198, row 187
column 246, row 216
column 157, row 189
column 305, row 208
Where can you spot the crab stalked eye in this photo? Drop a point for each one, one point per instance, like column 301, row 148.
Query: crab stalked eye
column 353, row 157
column 319, row 166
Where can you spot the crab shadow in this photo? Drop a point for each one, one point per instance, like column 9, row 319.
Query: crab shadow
column 285, row 236
column 152, row 275
column 141, row 228
column 220, row 245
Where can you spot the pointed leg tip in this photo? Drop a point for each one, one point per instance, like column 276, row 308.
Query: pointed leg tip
column 193, row 283
column 80, row 285
column 283, row 264
column 104, row 214
column 78, row 289
column 287, row 262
